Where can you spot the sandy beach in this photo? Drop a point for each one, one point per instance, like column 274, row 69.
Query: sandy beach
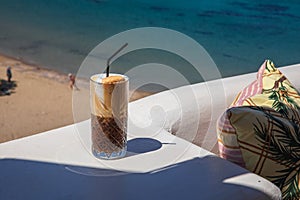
column 39, row 100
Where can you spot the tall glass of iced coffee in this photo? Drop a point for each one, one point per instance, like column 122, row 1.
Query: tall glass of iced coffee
column 109, row 113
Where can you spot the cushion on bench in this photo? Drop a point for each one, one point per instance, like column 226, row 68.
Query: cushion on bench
column 261, row 130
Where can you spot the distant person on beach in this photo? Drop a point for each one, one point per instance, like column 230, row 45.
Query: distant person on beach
column 8, row 74
column 72, row 81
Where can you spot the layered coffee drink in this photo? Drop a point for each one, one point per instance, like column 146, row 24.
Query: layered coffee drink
column 109, row 111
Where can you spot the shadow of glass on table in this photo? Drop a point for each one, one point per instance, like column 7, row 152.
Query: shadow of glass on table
column 142, row 145
column 198, row 178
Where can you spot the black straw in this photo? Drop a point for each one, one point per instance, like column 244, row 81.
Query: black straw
column 108, row 60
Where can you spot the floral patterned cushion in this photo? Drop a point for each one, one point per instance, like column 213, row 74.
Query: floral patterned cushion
column 261, row 130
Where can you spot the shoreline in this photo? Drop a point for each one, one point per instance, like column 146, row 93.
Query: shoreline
column 29, row 66
column 40, row 99
column 55, row 75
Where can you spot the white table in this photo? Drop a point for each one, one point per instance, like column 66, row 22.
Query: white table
column 58, row 164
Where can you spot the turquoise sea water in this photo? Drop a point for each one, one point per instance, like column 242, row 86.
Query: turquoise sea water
column 238, row 34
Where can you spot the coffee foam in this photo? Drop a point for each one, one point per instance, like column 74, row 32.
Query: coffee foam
column 112, row 79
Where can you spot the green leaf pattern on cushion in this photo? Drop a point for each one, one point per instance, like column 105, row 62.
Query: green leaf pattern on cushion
column 283, row 147
column 267, row 129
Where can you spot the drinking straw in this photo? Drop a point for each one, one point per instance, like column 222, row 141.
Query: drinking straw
column 108, row 60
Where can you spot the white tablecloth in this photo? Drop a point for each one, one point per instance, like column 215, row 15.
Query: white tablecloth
column 58, row 164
